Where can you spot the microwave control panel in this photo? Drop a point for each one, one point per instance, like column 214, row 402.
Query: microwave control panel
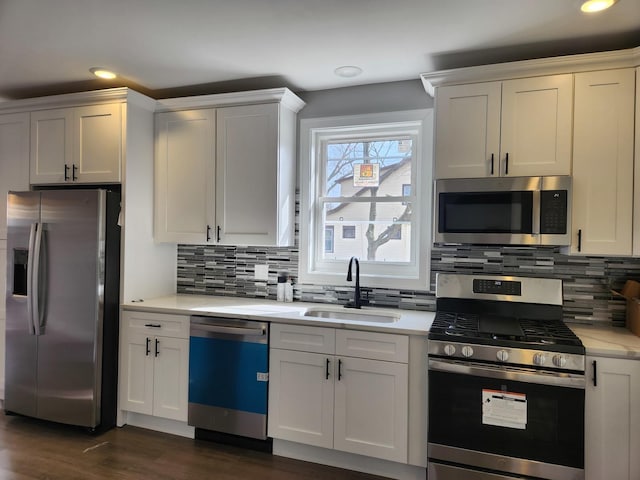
column 553, row 212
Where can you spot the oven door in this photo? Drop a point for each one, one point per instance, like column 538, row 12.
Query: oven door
column 518, row 421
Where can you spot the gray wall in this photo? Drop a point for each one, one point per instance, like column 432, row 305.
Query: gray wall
column 375, row 98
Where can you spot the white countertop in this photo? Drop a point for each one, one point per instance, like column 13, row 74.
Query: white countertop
column 412, row 322
column 608, row 341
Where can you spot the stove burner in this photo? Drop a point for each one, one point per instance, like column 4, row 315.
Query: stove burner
column 471, row 326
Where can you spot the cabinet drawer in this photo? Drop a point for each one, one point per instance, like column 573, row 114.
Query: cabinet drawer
column 376, row 346
column 303, row 338
column 160, row 324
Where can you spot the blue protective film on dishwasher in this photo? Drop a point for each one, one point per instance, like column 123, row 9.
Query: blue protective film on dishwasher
column 223, row 373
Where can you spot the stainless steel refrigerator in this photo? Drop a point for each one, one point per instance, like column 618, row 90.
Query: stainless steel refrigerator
column 63, row 249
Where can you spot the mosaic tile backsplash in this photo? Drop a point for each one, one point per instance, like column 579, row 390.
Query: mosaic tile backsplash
column 229, row 270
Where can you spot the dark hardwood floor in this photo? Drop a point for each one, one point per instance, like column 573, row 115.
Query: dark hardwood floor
column 31, row 449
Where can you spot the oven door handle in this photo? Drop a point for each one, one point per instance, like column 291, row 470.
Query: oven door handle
column 559, row 379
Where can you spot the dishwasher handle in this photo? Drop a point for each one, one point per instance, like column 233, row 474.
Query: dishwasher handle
column 254, row 331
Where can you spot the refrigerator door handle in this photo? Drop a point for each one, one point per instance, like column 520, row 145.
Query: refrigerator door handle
column 35, row 287
column 32, row 241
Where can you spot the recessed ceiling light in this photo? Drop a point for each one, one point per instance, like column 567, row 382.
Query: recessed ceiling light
column 348, row 71
column 592, row 6
column 103, row 73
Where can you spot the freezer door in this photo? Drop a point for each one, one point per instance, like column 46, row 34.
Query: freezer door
column 23, row 215
column 72, row 285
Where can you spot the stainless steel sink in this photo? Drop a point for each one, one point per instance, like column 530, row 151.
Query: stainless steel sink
column 362, row 316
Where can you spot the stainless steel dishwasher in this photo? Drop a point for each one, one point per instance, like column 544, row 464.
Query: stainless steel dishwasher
column 228, row 376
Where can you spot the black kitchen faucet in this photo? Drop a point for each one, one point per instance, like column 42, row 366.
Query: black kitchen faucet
column 356, row 293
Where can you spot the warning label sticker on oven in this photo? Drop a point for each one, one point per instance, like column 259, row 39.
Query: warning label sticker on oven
column 504, row 409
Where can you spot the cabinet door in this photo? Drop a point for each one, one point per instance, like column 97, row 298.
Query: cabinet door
column 467, row 130
column 371, row 411
column 136, row 372
column 536, row 126
column 301, row 392
column 612, row 427
column 51, row 146
column 603, row 162
column 247, row 174
column 171, row 377
column 14, row 162
column 97, row 144
column 184, row 177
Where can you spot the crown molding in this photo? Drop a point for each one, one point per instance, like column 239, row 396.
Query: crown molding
column 532, row 68
column 284, row 96
column 109, row 95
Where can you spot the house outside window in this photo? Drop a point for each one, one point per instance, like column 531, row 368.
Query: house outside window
column 370, row 176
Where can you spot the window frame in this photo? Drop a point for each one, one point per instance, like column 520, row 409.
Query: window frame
column 412, row 275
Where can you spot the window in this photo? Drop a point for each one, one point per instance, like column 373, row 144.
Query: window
column 348, row 231
column 328, row 238
column 370, row 176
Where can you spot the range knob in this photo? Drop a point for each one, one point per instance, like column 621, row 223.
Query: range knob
column 559, row 360
column 539, row 359
column 449, row 349
column 467, row 351
column 502, row 355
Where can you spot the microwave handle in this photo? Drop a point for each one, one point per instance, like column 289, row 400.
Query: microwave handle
column 492, row 164
column 506, row 164
column 535, row 214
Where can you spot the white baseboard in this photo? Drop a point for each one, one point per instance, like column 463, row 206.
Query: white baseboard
column 158, row 424
column 349, row 461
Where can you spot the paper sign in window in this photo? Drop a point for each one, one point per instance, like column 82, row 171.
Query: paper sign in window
column 366, row 175
column 504, row 409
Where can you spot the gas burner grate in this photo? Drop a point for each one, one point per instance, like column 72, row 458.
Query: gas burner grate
column 456, row 324
column 539, row 331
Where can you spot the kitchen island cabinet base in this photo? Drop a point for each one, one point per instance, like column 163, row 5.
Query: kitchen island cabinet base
column 349, row 461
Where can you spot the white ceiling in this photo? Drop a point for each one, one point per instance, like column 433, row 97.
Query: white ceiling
column 48, row 46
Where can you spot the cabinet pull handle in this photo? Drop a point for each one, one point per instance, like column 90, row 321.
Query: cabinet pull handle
column 157, row 342
column 218, row 234
column 73, row 172
column 595, row 373
column 153, row 325
column 148, row 351
column 579, row 239
column 326, row 375
column 492, row 164
column 66, row 172
column 339, row 369
column 506, row 164
column 208, row 233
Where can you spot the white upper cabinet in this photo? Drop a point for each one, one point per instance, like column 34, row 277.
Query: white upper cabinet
column 77, row 144
column 516, row 127
column 184, row 176
column 226, row 174
column 255, row 178
column 602, row 213
column 468, row 130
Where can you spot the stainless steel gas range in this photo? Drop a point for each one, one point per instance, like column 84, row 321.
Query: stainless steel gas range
column 506, row 381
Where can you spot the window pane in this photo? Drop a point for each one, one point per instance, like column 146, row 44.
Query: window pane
column 380, row 232
column 328, row 239
column 393, row 157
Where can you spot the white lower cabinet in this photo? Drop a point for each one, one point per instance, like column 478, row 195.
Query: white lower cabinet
column 340, row 389
column 154, row 364
column 612, row 419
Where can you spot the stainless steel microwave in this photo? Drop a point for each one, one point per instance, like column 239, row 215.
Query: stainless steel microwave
column 503, row 211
